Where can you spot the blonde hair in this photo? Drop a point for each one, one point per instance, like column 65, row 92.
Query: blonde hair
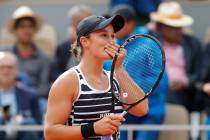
column 77, row 50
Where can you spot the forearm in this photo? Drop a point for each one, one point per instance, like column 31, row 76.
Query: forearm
column 127, row 85
column 62, row 132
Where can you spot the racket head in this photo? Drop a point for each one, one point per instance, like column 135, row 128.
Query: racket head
column 144, row 63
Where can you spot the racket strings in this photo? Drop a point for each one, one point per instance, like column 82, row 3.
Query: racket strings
column 143, row 64
column 127, row 94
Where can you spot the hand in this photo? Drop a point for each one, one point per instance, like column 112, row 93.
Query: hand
column 206, row 88
column 111, row 48
column 108, row 125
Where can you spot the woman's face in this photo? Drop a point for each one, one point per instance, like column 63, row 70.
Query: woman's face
column 98, row 40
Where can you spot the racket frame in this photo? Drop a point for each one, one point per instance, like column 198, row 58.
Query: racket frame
column 130, row 105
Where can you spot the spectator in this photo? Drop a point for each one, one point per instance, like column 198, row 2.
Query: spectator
column 142, row 8
column 204, row 84
column 19, row 104
column 157, row 99
column 183, row 53
column 24, row 24
column 131, row 26
column 63, row 57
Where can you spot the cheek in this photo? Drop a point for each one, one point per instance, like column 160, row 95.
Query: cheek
column 12, row 75
column 97, row 49
column 25, row 33
column 7, row 75
column 29, row 33
column 99, row 43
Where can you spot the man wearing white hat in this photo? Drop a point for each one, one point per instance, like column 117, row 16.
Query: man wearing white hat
column 183, row 53
column 24, row 12
column 24, row 24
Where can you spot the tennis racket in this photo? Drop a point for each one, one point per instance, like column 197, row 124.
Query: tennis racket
column 145, row 65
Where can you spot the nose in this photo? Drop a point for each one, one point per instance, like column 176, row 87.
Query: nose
column 111, row 39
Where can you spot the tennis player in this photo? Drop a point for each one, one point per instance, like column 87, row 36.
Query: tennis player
column 80, row 100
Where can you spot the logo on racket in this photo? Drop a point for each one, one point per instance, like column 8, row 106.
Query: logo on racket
column 125, row 95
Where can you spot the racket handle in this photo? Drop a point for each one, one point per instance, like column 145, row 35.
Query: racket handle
column 123, row 113
column 107, row 137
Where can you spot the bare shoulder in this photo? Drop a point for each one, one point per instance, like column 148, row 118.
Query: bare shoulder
column 61, row 97
column 66, row 78
column 66, row 84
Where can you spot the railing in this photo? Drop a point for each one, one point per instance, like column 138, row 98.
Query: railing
column 123, row 127
column 129, row 128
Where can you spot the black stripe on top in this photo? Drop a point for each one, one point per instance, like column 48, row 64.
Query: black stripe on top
column 91, row 105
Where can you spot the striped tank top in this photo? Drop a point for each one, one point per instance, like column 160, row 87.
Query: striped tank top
column 92, row 105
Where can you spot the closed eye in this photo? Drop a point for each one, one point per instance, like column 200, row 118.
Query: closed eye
column 104, row 35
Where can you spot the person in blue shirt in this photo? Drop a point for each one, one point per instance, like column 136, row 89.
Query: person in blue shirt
column 19, row 104
column 156, row 112
column 142, row 7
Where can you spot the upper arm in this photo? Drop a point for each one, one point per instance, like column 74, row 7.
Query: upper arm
column 61, row 97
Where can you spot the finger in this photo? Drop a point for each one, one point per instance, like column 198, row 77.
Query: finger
column 111, row 50
column 111, row 47
column 122, row 52
column 116, row 117
column 111, row 53
column 115, row 47
column 114, row 44
column 113, row 129
column 116, row 123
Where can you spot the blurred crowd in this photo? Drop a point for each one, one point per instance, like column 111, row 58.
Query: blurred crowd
column 27, row 70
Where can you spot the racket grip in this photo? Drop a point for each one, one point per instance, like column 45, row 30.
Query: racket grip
column 107, row 137
column 123, row 113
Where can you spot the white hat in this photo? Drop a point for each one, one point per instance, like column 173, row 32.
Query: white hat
column 171, row 14
column 22, row 12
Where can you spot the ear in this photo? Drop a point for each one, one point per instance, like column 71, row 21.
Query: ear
column 84, row 41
